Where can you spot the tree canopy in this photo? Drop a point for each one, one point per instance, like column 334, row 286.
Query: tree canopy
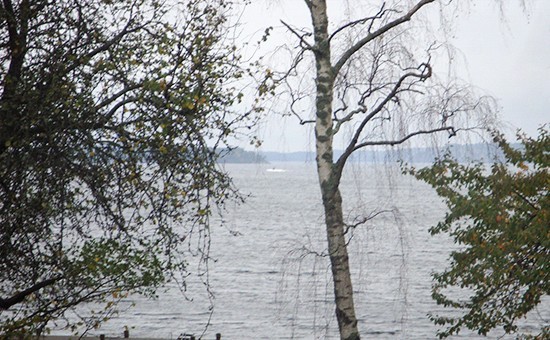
column 500, row 219
column 110, row 115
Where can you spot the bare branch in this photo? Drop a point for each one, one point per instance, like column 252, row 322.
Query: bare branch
column 293, row 111
column 348, row 117
column 452, row 132
column 383, row 11
column 292, row 69
column 295, row 96
column 303, row 42
column 352, row 50
column 365, row 219
column 425, row 73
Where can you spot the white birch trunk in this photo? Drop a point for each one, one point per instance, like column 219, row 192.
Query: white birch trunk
column 329, row 177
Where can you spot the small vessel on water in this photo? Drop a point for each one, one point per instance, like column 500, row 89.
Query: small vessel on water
column 275, row 170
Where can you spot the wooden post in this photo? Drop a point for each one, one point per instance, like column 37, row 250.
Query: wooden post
column 102, row 337
column 218, row 336
column 126, row 334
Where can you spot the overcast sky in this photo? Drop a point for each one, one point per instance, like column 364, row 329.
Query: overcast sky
column 505, row 54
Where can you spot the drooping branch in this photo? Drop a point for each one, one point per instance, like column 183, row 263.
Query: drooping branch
column 379, row 32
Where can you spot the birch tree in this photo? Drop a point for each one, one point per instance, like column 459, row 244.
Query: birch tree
column 375, row 84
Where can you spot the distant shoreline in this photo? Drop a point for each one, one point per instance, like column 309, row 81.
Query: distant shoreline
column 462, row 152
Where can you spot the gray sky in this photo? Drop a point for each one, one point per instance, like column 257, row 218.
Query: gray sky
column 510, row 59
column 505, row 54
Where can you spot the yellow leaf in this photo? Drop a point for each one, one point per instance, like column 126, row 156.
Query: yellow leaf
column 162, row 84
column 523, row 166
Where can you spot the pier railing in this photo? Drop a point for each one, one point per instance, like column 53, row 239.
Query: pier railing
column 125, row 335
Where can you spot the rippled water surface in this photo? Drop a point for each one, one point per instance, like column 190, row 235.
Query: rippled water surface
column 271, row 279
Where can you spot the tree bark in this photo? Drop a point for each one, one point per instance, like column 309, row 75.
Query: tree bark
column 20, row 296
column 329, row 174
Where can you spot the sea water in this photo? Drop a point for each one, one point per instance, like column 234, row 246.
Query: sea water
column 269, row 277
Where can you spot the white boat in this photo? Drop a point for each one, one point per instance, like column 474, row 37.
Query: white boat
column 275, row 170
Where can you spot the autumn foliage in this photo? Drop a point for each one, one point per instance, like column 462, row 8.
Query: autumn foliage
column 499, row 218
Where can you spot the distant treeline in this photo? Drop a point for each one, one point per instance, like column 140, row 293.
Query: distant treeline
column 238, row 155
column 462, row 152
